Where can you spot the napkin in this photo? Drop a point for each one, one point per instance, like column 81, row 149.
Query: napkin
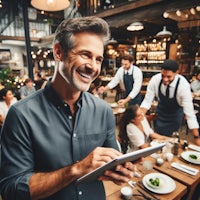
column 194, row 147
column 185, row 168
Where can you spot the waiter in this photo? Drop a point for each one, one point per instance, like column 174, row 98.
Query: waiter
column 131, row 77
column 174, row 100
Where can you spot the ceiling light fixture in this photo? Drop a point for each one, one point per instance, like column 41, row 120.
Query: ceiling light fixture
column 136, row 26
column 165, row 14
column 112, row 41
column 164, row 32
column 50, row 5
column 192, row 10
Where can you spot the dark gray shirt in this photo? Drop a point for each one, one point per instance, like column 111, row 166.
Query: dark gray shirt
column 39, row 135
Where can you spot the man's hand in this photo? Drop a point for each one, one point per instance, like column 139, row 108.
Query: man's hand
column 122, row 102
column 101, row 89
column 121, row 174
column 101, row 156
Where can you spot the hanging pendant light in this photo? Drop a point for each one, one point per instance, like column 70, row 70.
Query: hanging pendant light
column 50, row 5
column 136, row 26
column 112, row 41
column 164, row 32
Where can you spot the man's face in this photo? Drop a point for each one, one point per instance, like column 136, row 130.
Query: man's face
column 198, row 77
column 167, row 76
column 126, row 64
column 83, row 63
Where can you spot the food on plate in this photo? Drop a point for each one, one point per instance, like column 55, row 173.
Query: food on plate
column 154, row 182
column 193, row 157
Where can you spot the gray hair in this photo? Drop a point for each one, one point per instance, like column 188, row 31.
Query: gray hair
column 65, row 31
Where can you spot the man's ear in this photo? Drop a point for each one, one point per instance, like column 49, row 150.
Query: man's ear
column 58, row 52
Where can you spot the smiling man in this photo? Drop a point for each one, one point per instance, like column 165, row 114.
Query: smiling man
column 174, row 100
column 62, row 132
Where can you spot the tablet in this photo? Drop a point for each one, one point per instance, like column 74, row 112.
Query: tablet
column 132, row 156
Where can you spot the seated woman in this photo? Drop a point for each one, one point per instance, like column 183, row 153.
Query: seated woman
column 6, row 100
column 134, row 130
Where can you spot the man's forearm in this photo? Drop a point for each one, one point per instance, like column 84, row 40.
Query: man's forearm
column 43, row 185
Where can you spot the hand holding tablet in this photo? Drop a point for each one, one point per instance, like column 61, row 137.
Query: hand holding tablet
column 129, row 157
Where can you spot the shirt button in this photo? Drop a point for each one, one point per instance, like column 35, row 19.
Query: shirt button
column 74, row 135
column 80, row 192
column 70, row 117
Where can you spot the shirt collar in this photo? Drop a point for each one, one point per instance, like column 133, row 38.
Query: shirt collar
column 129, row 70
column 54, row 97
column 173, row 83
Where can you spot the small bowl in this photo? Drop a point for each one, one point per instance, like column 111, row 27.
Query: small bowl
column 159, row 161
column 126, row 192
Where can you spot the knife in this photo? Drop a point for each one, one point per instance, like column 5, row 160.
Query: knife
column 146, row 197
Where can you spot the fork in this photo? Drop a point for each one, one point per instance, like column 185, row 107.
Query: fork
column 139, row 183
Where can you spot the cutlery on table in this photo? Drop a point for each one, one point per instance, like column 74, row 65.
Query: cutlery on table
column 145, row 196
column 140, row 184
column 185, row 168
column 182, row 172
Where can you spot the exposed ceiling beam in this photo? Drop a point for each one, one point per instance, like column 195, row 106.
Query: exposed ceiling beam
column 189, row 24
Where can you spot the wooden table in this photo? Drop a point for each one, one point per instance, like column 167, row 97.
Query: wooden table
column 113, row 190
column 185, row 184
column 188, row 180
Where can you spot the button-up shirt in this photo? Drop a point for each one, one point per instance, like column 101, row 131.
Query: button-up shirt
column 184, row 96
column 119, row 78
column 40, row 135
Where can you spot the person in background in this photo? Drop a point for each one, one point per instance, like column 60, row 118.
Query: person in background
column 135, row 131
column 174, row 100
column 27, row 89
column 195, row 85
column 6, row 100
column 62, row 132
column 131, row 77
column 39, row 81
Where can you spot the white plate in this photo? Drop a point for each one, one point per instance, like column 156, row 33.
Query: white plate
column 114, row 105
column 167, row 183
column 186, row 156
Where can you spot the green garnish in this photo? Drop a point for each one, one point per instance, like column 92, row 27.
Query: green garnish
column 192, row 156
column 155, row 182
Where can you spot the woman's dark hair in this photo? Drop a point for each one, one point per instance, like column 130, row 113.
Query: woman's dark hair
column 129, row 114
column 3, row 93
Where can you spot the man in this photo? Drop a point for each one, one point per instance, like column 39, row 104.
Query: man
column 27, row 89
column 195, row 85
column 174, row 100
column 131, row 77
column 61, row 132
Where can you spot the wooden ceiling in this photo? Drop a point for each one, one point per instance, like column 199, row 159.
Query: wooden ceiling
column 150, row 13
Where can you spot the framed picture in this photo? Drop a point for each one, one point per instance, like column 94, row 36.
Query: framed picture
column 5, row 55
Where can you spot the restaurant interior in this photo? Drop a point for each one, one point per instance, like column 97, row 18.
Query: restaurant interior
column 149, row 30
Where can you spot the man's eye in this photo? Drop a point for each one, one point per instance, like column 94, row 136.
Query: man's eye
column 99, row 60
column 84, row 56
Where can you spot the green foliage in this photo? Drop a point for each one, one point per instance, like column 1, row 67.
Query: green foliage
column 8, row 79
